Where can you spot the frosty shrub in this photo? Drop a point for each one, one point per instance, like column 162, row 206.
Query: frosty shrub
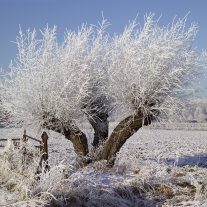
column 10, row 162
column 141, row 73
column 26, row 187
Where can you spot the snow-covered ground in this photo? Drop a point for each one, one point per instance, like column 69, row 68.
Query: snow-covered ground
column 154, row 167
column 169, row 147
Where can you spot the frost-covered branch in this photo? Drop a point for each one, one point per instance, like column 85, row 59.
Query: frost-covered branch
column 152, row 66
column 53, row 84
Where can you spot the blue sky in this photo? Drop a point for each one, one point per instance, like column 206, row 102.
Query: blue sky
column 72, row 13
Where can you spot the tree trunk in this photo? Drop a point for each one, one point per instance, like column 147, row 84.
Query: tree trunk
column 123, row 131
column 98, row 118
column 75, row 135
column 100, row 125
column 79, row 140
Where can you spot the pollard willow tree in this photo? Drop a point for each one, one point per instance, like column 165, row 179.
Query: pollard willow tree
column 141, row 73
column 52, row 85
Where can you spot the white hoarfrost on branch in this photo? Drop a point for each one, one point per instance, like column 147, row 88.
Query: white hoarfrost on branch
column 54, row 84
column 152, row 66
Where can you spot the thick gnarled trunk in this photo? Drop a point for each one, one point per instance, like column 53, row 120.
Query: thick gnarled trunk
column 100, row 125
column 98, row 118
column 79, row 140
column 123, row 131
column 75, row 135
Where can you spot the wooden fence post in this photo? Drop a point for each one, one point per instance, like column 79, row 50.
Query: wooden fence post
column 24, row 150
column 45, row 149
column 24, row 136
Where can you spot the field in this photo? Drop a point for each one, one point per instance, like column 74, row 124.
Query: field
column 155, row 167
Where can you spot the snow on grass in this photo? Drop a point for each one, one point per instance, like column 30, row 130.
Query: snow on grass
column 173, row 147
column 174, row 159
column 154, row 167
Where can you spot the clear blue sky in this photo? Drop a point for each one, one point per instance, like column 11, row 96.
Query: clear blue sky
column 72, row 13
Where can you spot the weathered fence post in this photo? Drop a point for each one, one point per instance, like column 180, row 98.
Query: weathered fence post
column 24, row 150
column 24, row 136
column 45, row 149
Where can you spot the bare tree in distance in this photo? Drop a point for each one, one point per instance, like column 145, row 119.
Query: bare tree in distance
column 142, row 72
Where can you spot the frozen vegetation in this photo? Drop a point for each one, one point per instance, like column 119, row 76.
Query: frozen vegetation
column 197, row 110
column 135, row 78
column 154, row 167
column 141, row 75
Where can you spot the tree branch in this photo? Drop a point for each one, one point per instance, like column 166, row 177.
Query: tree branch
column 123, row 131
column 74, row 134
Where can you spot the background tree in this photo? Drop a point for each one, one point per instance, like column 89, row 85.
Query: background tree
column 141, row 73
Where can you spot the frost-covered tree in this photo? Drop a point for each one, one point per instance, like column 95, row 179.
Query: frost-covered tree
column 151, row 67
column 140, row 73
column 196, row 110
column 52, row 85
